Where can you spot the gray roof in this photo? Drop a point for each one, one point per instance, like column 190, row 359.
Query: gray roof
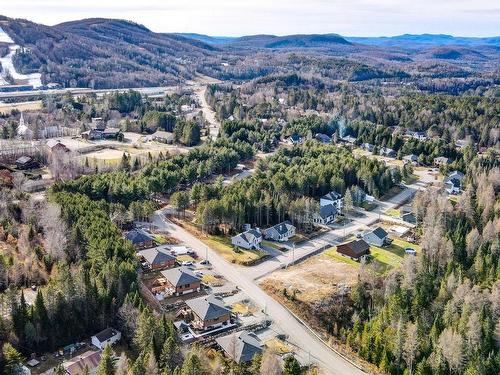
column 281, row 228
column 156, row 255
column 208, row 307
column 249, row 235
column 180, row 276
column 411, row 157
column 138, row 236
column 111, row 130
column 380, row 233
column 106, row 334
column 24, row 160
column 457, row 175
column 332, row 196
column 163, row 134
column 327, row 210
column 240, row 346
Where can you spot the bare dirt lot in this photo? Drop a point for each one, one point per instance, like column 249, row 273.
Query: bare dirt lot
column 312, row 280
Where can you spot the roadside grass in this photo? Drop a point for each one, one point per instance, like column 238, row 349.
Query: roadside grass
column 274, row 245
column 411, row 179
column 240, row 308
column 224, row 247
column 277, row 346
column 332, row 253
column 392, row 212
column 212, row 280
column 185, row 258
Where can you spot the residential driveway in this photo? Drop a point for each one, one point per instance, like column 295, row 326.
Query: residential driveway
column 332, row 362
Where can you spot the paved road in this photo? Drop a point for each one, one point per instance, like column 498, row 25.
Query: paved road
column 298, row 333
column 208, row 112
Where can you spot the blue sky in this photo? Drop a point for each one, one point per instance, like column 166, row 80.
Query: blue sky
column 235, row 17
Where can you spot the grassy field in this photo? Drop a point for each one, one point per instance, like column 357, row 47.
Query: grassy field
column 274, row 245
column 386, row 258
column 392, row 212
column 277, row 346
column 223, row 246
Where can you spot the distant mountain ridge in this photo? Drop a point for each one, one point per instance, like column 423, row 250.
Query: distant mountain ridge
column 425, row 40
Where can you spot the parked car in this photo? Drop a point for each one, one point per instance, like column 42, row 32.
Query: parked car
column 187, row 263
column 410, row 251
column 205, row 262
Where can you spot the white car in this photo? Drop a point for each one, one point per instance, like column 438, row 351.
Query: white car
column 187, row 263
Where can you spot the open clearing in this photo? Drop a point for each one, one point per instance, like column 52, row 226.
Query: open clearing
column 312, row 280
column 6, row 108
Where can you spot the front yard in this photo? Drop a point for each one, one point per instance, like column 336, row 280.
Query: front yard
column 223, row 246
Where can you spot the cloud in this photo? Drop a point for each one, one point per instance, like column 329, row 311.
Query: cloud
column 232, row 17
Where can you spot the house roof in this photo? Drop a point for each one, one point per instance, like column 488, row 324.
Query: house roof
column 281, row 228
column 358, row 247
column 327, row 210
column 208, row 307
column 249, row 235
column 457, row 175
column 380, row 233
column 90, row 359
column 164, row 135
column 240, row 346
column 156, row 255
column 441, row 159
column 411, row 157
column 106, row 334
column 24, row 160
column 55, row 142
column 180, row 276
column 295, row 138
column 332, row 196
column 111, row 131
column 323, row 138
column 137, row 236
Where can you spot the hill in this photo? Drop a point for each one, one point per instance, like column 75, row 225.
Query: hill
column 104, row 53
column 424, row 40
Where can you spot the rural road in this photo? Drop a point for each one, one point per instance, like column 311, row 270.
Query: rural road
column 208, row 112
column 299, row 334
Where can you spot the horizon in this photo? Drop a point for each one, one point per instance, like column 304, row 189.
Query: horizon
column 223, row 18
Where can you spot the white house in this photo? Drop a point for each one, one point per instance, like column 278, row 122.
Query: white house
column 453, row 182
column 377, row 237
column 410, row 159
column 249, row 239
column 325, row 215
column 109, row 336
column 280, row 232
column 333, row 198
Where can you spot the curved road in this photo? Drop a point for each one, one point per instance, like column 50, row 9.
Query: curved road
column 298, row 333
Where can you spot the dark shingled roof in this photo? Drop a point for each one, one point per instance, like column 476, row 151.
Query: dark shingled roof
column 208, row 307
column 180, row 276
column 281, row 228
column 380, row 233
column 138, row 236
column 240, row 346
column 156, row 255
column 327, row 210
column 106, row 334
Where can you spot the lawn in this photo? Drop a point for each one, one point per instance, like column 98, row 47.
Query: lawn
column 185, row 258
column 223, row 246
column 332, row 253
column 277, row 346
column 387, row 257
column 392, row 212
column 274, row 245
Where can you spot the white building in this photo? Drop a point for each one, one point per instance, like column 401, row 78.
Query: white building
column 109, row 336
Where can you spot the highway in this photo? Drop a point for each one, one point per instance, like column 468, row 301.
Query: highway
column 299, row 334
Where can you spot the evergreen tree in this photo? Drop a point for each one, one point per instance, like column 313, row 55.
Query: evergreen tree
column 107, row 364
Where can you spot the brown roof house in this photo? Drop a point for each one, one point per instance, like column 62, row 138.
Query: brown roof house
column 88, row 361
column 355, row 249
column 209, row 312
column 157, row 258
column 179, row 281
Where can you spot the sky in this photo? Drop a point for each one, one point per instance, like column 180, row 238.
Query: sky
column 279, row 17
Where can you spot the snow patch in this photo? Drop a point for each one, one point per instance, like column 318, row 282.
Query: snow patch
column 34, row 79
column 4, row 37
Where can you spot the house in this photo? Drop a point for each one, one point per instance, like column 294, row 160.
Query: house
column 109, row 336
column 157, row 258
column 181, row 280
column 410, row 159
column 88, row 361
column 389, row 152
column 241, row 346
column 209, row 312
column 354, row 249
column 441, row 160
column 377, row 237
column 280, row 232
column 140, row 239
column 332, row 198
column 409, row 217
column 26, row 162
column 325, row 215
column 368, row 147
column 163, row 137
column 111, row 133
column 294, row 139
column 91, row 135
column 421, row 136
column 453, row 182
column 249, row 239
column 56, row 146
column 348, row 139
column 98, row 123
column 323, row 138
